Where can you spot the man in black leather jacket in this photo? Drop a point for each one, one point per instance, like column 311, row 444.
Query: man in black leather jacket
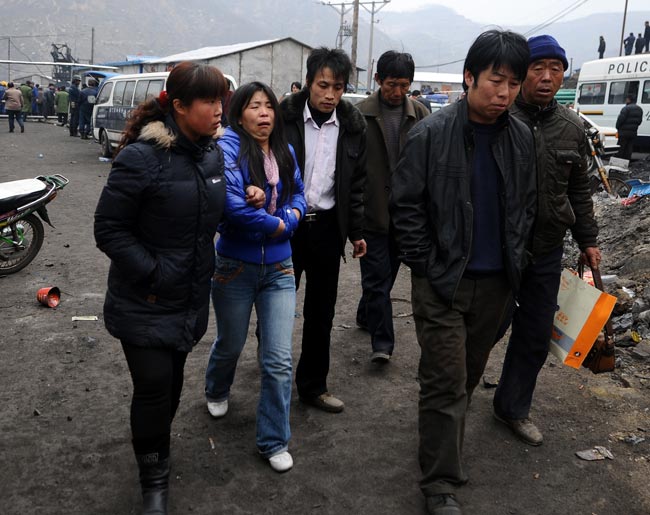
column 462, row 205
column 564, row 201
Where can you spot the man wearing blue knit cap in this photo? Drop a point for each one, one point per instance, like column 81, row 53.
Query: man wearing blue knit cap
column 564, row 202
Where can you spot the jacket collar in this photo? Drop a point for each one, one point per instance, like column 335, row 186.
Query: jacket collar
column 468, row 131
column 167, row 135
column 349, row 117
column 535, row 111
column 371, row 106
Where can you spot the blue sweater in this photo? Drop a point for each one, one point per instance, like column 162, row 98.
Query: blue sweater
column 246, row 232
column 487, row 238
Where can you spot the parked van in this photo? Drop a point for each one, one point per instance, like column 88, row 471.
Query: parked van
column 118, row 96
column 603, row 85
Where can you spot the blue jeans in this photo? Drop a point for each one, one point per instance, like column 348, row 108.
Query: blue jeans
column 236, row 287
column 14, row 115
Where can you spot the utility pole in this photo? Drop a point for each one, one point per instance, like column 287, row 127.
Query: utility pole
column 355, row 37
column 92, row 46
column 372, row 12
column 342, row 9
column 620, row 48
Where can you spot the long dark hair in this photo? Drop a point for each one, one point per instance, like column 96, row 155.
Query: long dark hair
column 187, row 81
column 250, row 153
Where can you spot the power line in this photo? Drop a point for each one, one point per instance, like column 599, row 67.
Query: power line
column 48, row 35
column 26, row 57
column 544, row 24
column 556, row 17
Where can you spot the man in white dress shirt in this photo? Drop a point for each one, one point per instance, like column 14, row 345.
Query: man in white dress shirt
column 328, row 135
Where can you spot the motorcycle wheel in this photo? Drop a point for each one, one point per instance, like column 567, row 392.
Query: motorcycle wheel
column 16, row 256
column 619, row 187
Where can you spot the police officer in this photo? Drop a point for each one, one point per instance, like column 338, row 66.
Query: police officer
column 74, row 95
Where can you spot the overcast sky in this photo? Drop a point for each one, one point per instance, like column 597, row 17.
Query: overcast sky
column 523, row 12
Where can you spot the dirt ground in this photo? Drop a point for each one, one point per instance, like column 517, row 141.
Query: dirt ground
column 65, row 393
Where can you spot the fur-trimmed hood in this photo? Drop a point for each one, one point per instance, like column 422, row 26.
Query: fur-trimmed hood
column 349, row 116
column 166, row 136
column 159, row 134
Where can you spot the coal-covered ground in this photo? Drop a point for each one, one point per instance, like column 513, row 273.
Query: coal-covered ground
column 65, row 392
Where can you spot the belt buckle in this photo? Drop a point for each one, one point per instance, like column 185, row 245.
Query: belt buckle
column 310, row 217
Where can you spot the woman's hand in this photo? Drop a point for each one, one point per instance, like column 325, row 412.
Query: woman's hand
column 255, row 196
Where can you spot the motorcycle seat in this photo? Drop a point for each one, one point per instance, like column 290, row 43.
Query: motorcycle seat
column 14, row 194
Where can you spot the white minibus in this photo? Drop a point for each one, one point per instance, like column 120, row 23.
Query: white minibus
column 118, row 96
column 603, row 85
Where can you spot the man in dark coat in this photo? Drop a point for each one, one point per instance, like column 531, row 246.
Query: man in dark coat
column 48, row 101
column 328, row 135
column 627, row 125
column 646, row 36
column 639, row 44
column 601, row 47
column 417, row 95
column 74, row 96
column 629, row 43
column 563, row 202
column 462, row 206
column 390, row 115
column 87, row 100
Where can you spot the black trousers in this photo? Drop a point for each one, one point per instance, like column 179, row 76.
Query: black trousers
column 157, row 376
column 626, row 145
column 532, row 324
column 74, row 121
column 317, row 249
column 379, row 268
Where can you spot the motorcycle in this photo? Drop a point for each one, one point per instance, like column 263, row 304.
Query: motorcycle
column 21, row 231
column 599, row 177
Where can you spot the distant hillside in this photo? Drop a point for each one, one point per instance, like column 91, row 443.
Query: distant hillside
column 434, row 35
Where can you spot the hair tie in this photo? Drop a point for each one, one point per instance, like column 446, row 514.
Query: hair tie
column 163, row 99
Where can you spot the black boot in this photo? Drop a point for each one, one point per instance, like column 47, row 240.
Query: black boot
column 154, row 481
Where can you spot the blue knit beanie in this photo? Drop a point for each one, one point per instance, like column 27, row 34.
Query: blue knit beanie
column 546, row 47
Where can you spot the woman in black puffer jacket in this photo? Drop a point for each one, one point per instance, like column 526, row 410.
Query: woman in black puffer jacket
column 156, row 220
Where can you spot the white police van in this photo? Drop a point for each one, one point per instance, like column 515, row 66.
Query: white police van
column 603, row 85
column 118, row 96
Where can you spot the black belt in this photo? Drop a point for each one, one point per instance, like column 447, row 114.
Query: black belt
column 317, row 216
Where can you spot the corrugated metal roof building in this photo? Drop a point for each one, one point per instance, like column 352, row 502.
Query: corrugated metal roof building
column 277, row 62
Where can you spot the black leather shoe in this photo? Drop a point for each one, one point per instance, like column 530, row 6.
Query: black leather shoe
column 443, row 504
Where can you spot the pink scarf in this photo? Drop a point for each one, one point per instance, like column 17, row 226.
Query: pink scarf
column 272, row 177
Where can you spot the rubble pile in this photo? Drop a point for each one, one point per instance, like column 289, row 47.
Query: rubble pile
column 624, row 240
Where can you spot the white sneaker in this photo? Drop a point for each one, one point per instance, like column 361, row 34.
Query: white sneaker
column 281, row 462
column 218, row 409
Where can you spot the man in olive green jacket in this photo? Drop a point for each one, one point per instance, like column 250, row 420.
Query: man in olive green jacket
column 390, row 115
column 28, row 93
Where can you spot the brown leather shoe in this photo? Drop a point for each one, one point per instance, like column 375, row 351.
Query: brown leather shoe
column 443, row 504
column 523, row 429
column 326, row 402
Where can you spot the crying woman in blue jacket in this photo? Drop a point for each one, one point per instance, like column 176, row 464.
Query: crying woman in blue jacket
column 254, row 267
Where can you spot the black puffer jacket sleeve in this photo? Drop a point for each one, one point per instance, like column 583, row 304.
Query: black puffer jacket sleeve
column 117, row 213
